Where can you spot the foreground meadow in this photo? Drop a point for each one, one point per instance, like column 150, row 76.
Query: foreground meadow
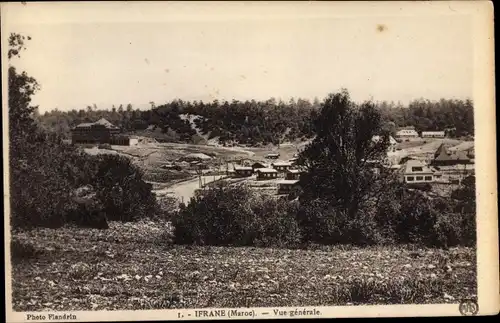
column 132, row 266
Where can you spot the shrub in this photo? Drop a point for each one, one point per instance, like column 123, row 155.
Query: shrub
column 387, row 216
column 166, row 209
column 363, row 230
column 40, row 182
column 88, row 216
column 322, row 223
column 121, row 190
column 447, row 231
column 276, row 222
column 45, row 174
column 20, row 250
column 235, row 215
column 416, row 219
column 468, row 223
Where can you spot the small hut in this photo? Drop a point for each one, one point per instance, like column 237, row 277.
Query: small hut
column 444, row 157
column 243, row 171
column 258, row 165
column 266, row 173
column 293, row 174
column 285, row 186
column 282, row 166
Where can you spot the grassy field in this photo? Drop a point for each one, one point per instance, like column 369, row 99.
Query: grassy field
column 131, row 266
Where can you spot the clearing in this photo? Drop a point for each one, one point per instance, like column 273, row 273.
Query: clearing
column 186, row 189
column 131, row 266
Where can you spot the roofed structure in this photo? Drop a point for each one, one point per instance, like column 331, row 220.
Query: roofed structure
column 99, row 132
column 101, row 122
column 417, row 172
column 266, row 170
column 266, row 173
column 443, row 156
column 258, row 165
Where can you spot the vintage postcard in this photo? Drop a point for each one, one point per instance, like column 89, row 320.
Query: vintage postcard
column 249, row 160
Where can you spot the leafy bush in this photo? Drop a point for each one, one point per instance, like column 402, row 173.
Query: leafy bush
column 121, row 189
column 416, row 219
column 322, row 223
column 45, row 175
column 400, row 216
column 88, row 216
column 447, row 231
column 276, row 222
column 166, row 209
column 235, row 215
column 468, row 224
column 20, row 250
column 413, row 217
column 40, row 182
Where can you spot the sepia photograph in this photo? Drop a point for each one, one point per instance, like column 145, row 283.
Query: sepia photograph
column 248, row 160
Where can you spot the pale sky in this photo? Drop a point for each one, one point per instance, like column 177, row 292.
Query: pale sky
column 132, row 54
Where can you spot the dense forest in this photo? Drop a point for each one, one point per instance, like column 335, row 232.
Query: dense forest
column 256, row 122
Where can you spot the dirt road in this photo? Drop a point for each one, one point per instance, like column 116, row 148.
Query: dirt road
column 185, row 190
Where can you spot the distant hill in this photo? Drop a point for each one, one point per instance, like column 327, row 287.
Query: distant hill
column 252, row 122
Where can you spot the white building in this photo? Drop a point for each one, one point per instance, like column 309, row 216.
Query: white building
column 407, row 133
column 281, row 166
column 243, row 171
column 432, row 134
column 266, row 173
column 417, row 172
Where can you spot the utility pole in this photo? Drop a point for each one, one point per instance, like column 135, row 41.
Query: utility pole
column 199, row 171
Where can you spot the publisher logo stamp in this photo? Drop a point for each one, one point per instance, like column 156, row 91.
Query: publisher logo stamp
column 468, row 307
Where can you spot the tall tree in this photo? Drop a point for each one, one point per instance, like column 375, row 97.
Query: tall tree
column 38, row 188
column 21, row 88
column 337, row 160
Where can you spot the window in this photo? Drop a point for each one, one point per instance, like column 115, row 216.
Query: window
column 420, row 178
column 428, row 178
column 410, row 178
column 416, row 169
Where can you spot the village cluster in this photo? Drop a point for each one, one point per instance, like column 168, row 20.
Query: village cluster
column 435, row 160
column 428, row 158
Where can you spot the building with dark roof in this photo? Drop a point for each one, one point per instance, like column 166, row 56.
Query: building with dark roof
column 99, row 132
column 266, row 173
column 445, row 157
column 293, row 174
column 285, row 186
column 258, row 165
column 282, row 166
column 243, row 171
